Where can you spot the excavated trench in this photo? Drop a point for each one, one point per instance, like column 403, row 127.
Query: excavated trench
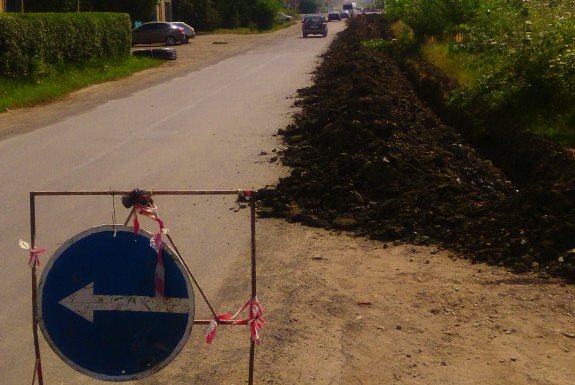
column 368, row 156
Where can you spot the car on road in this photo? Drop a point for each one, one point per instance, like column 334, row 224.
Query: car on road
column 333, row 15
column 158, row 32
column 344, row 14
column 188, row 30
column 314, row 25
column 283, row 17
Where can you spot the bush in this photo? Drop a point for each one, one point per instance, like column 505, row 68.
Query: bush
column 142, row 10
column 528, row 51
column 202, row 15
column 523, row 55
column 432, row 17
column 265, row 13
column 30, row 44
column 308, row 6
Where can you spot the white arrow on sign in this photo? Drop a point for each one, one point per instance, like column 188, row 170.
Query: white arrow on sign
column 84, row 303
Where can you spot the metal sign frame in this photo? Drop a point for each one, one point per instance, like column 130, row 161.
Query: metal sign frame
column 245, row 193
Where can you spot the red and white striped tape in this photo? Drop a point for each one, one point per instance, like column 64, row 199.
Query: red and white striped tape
column 255, row 320
column 156, row 243
column 34, row 259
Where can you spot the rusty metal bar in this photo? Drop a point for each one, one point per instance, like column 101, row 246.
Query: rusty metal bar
column 153, row 192
column 38, row 365
column 129, row 216
column 219, row 322
column 35, row 371
column 192, row 276
column 253, row 242
column 253, row 259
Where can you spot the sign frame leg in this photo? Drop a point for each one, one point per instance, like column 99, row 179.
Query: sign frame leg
column 38, row 362
column 254, row 281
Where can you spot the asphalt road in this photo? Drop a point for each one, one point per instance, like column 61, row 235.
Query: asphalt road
column 194, row 128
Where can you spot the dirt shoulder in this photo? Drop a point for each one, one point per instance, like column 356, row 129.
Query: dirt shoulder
column 370, row 314
column 347, row 310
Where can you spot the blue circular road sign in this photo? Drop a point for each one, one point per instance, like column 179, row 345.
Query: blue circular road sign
column 97, row 306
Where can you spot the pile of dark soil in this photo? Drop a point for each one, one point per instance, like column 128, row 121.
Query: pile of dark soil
column 368, row 156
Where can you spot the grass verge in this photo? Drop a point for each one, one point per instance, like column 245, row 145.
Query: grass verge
column 455, row 65
column 558, row 128
column 466, row 69
column 63, row 79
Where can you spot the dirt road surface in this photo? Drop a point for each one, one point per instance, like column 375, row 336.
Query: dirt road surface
column 346, row 310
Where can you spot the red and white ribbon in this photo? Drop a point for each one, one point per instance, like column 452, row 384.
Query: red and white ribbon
column 156, row 243
column 255, row 320
column 213, row 327
column 34, row 259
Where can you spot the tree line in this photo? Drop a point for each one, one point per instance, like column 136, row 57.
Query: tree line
column 203, row 15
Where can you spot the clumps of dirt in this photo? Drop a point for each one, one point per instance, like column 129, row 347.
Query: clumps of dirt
column 368, row 156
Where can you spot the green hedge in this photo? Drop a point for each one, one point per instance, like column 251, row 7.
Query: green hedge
column 31, row 43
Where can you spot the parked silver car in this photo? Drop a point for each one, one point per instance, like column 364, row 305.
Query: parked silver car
column 158, row 32
column 188, row 30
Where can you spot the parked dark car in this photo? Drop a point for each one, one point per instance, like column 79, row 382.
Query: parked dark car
column 333, row 15
column 188, row 30
column 158, row 32
column 314, row 25
column 344, row 14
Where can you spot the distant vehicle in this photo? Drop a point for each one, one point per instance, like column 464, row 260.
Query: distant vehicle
column 351, row 7
column 370, row 11
column 344, row 15
column 314, row 25
column 189, row 31
column 158, row 32
column 333, row 15
column 283, row 17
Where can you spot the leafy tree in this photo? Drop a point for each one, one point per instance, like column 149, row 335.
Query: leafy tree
column 204, row 15
column 234, row 14
column 141, row 10
column 308, row 6
column 379, row 4
column 200, row 14
column 50, row 5
column 433, row 17
column 265, row 13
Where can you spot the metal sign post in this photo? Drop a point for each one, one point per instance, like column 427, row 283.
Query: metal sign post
column 105, row 305
column 253, row 258
column 38, row 361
